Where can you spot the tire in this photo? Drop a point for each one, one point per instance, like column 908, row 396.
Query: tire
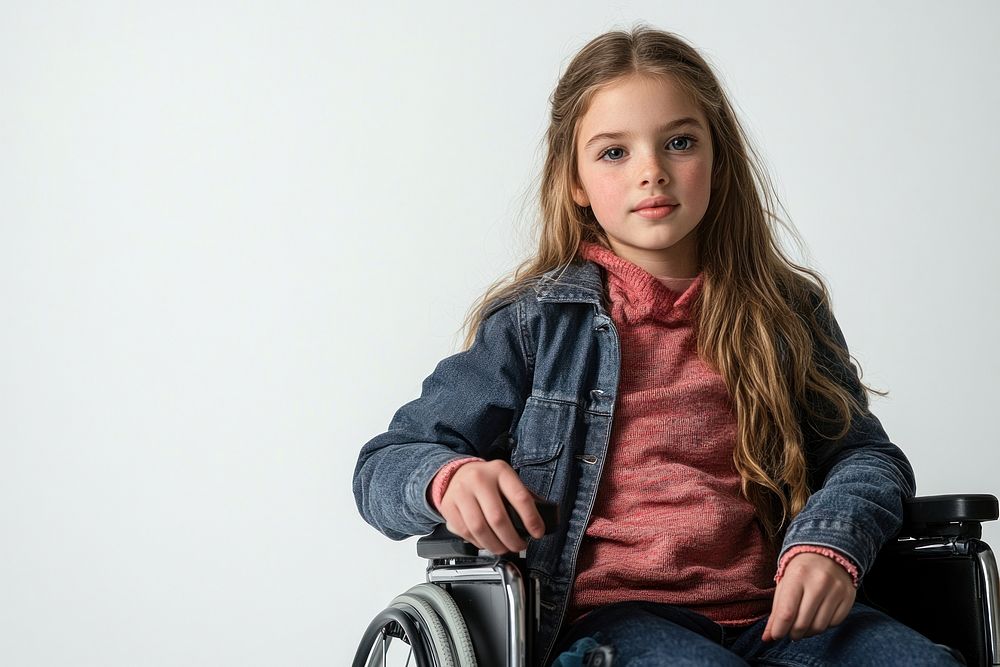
column 446, row 608
column 392, row 623
column 440, row 643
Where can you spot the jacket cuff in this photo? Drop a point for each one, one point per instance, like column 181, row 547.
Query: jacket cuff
column 417, row 490
column 439, row 483
column 846, row 537
column 843, row 560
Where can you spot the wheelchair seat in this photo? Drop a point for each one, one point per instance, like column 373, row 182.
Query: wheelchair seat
column 937, row 576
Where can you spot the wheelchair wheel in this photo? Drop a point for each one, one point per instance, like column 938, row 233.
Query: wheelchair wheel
column 379, row 646
column 439, row 643
column 429, row 626
column 445, row 607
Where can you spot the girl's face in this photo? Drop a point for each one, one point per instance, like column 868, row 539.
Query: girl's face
column 653, row 154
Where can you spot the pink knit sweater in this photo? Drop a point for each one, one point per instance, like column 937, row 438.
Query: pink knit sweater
column 668, row 524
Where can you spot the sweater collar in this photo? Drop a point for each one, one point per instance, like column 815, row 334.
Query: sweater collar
column 636, row 295
column 582, row 281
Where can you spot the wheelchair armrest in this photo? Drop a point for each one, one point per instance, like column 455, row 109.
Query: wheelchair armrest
column 442, row 543
column 942, row 583
column 958, row 515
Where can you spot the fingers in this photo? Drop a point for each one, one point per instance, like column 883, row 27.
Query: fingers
column 843, row 610
column 803, row 625
column 829, row 612
column 833, row 600
column 462, row 509
column 523, row 501
column 800, row 613
column 470, row 526
column 477, row 527
column 824, row 615
column 842, row 607
column 500, row 525
column 474, row 507
column 784, row 611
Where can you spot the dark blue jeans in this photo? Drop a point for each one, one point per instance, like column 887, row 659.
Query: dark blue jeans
column 651, row 634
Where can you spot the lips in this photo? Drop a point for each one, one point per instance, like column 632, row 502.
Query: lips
column 652, row 202
column 655, row 212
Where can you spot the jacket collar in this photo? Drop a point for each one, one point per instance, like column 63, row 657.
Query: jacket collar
column 580, row 281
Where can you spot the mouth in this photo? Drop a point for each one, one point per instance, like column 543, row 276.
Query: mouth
column 657, row 201
column 655, row 212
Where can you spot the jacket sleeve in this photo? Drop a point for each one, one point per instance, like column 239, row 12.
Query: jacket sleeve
column 863, row 477
column 466, row 405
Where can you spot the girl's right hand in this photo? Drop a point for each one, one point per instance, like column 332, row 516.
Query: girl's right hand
column 474, row 510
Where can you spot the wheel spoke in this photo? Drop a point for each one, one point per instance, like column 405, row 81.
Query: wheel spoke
column 395, row 634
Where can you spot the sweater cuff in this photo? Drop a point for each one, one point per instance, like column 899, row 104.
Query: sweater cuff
column 826, row 551
column 441, row 478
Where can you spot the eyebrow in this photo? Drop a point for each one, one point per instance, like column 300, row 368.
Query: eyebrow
column 687, row 120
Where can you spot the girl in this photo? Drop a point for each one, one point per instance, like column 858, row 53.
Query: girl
column 678, row 386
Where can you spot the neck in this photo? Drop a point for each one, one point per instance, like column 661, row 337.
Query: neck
column 678, row 262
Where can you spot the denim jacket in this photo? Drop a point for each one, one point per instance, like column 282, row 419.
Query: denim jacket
column 537, row 388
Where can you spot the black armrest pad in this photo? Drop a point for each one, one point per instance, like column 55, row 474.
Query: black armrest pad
column 949, row 508
column 442, row 543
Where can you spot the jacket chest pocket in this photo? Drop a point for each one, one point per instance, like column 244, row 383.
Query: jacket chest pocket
column 543, row 431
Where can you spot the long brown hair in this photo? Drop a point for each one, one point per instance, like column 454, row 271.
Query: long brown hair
column 758, row 316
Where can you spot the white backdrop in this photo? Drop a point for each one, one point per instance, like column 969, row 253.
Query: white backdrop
column 237, row 236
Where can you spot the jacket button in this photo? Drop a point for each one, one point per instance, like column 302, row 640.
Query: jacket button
column 596, row 393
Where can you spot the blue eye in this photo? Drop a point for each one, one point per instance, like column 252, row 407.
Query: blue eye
column 684, row 137
column 608, row 150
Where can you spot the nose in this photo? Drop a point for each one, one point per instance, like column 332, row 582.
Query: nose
column 652, row 171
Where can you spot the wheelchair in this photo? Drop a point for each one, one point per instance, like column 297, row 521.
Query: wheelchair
column 477, row 609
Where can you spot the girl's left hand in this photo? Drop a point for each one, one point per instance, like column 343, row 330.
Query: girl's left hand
column 814, row 593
